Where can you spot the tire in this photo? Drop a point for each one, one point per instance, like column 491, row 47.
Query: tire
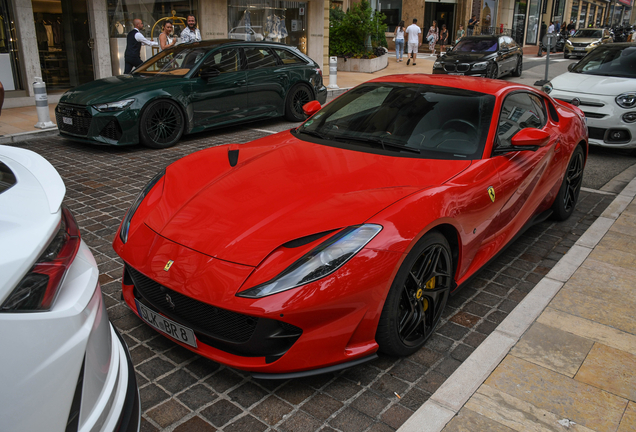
column 491, row 72
column 517, row 70
column 161, row 124
column 569, row 191
column 417, row 297
column 298, row 96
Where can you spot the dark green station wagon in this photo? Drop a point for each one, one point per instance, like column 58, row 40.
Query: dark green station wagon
column 189, row 88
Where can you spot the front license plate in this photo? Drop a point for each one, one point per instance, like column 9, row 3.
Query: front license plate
column 579, row 49
column 167, row 326
column 67, row 120
column 456, row 73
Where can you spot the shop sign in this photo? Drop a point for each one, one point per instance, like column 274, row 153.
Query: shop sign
column 626, row 2
column 301, row 11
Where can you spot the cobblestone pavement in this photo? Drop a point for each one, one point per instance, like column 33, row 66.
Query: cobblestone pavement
column 181, row 391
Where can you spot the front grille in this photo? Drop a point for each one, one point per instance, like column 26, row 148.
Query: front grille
column 583, row 103
column 80, row 119
column 596, row 133
column 450, row 67
column 112, row 130
column 215, row 322
column 594, row 115
column 463, row 67
column 580, row 44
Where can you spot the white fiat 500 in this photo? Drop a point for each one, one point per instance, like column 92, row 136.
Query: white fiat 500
column 604, row 82
column 63, row 366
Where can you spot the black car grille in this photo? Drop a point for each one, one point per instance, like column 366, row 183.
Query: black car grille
column 456, row 67
column 80, row 118
column 584, row 103
column 580, row 44
column 594, row 115
column 112, row 130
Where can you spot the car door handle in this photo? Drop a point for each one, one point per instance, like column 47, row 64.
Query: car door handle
column 240, row 82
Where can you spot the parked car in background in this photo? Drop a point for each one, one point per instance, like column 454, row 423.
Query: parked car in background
column 64, row 366
column 190, row 88
column 309, row 250
column 250, row 34
column 585, row 40
column 604, row 86
column 487, row 55
column 1, row 96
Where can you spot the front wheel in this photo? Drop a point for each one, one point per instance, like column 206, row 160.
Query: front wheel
column 517, row 71
column 569, row 192
column 491, row 72
column 298, row 96
column 417, row 297
column 161, row 124
column 565, row 54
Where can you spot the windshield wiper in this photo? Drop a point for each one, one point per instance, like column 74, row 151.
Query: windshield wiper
column 314, row 134
column 380, row 141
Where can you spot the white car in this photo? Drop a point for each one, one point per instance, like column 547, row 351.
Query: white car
column 63, row 366
column 603, row 84
column 250, row 34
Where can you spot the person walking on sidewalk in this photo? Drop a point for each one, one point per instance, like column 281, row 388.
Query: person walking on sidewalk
column 415, row 40
column 460, row 33
column 399, row 41
column 472, row 22
column 134, row 40
column 443, row 39
column 432, row 37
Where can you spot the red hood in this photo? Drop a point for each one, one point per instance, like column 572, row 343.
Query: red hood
column 281, row 189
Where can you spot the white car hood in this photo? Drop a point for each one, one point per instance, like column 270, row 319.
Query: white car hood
column 592, row 84
column 29, row 213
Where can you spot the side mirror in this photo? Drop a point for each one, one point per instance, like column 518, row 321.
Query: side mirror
column 530, row 137
column 311, row 108
column 209, row 73
column 571, row 67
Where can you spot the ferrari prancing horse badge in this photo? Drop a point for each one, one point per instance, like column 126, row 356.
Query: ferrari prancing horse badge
column 168, row 265
column 491, row 193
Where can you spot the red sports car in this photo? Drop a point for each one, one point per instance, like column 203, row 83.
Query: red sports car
column 310, row 250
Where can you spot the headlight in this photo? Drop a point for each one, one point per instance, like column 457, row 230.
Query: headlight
column 438, row 65
column 480, row 66
column 593, row 44
column 547, row 87
column 629, row 117
column 114, row 106
column 626, row 100
column 568, row 42
column 320, row 262
column 125, row 225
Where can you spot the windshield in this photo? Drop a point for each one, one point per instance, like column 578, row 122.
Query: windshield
column 414, row 120
column 616, row 61
column 476, row 45
column 173, row 62
column 589, row 34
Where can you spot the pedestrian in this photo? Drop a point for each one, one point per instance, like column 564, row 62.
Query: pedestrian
column 415, row 40
column 165, row 38
column 191, row 33
column 399, row 41
column 134, row 40
column 443, row 39
column 432, row 37
column 460, row 33
column 551, row 27
column 571, row 27
column 472, row 22
column 557, row 27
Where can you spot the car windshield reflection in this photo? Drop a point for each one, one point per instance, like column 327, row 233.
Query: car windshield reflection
column 173, row 62
column 476, row 45
column 617, row 61
column 588, row 34
column 414, row 120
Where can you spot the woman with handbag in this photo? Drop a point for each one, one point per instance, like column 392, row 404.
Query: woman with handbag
column 399, row 41
column 432, row 37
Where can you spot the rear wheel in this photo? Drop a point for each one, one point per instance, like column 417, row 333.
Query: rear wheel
column 569, row 192
column 298, row 96
column 417, row 297
column 161, row 124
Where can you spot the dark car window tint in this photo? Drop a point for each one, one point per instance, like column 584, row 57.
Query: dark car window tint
column 289, row 57
column 519, row 111
column 423, row 120
column 617, row 61
column 258, row 58
column 7, row 178
column 224, row 60
column 540, row 108
column 476, row 45
column 175, row 61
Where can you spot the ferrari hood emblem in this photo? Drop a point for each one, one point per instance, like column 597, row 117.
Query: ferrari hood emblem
column 169, row 263
column 491, row 193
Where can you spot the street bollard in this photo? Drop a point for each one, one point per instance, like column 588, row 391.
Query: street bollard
column 333, row 72
column 548, row 42
column 42, row 104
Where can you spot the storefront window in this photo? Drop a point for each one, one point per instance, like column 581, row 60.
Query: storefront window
column 626, row 16
column 618, row 11
column 575, row 12
column 270, row 20
column 590, row 18
column 583, row 14
column 393, row 12
column 121, row 14
column 9, row 60
column 599, row 17
column 533, row 22
column 519, row 21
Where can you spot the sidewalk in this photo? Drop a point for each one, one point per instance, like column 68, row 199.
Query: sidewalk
column 565, row 358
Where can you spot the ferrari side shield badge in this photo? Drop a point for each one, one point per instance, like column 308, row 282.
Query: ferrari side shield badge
column 491, row 193
column 170, row 262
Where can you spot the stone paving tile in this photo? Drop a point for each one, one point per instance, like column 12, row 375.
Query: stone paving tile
column 628, row 422
column 101, row 184
column 611, row 370
column 467, row 420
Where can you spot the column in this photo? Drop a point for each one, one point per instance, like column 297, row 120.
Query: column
column 25, row 30
column 98, row 19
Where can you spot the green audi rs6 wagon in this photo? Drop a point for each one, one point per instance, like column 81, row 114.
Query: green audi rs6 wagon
column 190, row 88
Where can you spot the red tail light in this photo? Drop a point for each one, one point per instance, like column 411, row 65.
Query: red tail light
column 38, row 289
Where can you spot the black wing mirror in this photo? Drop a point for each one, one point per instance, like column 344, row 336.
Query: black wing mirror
column 210, row 73
column 571, row 67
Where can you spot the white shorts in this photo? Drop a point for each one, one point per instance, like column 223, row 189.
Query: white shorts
column 413, row 48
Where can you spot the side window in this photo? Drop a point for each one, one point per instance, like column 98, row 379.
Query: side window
column 224, row 60
column 258, row 58
column 519, row 111
column 288, row 57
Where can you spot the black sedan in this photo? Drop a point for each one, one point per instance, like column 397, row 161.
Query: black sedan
column 488, row 56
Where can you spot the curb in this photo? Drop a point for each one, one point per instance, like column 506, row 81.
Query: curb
column 24, row 136
column 451, row 396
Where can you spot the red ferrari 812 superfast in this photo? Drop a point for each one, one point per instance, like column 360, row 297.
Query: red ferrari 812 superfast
column 309, row 250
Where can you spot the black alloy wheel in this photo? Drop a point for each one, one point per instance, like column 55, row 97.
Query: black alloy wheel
column 569, row 192
column 298, row 96
column 417, row 297
column 161, row 124
column 491, row 72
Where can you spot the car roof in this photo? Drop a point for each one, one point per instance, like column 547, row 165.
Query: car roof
column 476, row 84
column 479, row 37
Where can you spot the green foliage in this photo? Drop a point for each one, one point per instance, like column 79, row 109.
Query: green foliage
column 350, row 31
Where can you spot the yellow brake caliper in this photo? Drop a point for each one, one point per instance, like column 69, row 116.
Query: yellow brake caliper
column 430, row 284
